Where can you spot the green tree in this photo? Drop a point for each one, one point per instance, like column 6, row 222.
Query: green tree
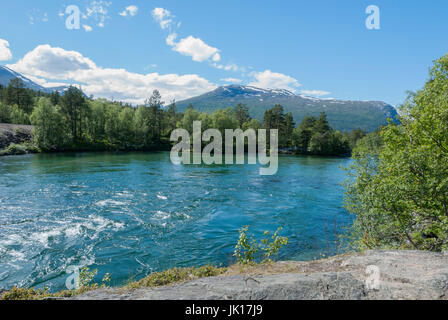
column 74, row 109
column 49, row 128
column 126, row 126
column 241, row 112
column 5, row 113
column 97, row 120
column 55, row 98
column 302, row 135
column 171, row 118
column 274, row 118
column 287, row 133
column 17, row 94
column 112, row 125
column 18, row 116
column 321, row 125
column 155, row 116
column 354, row 136
column 141, row 128
column 399, row 192
column 190, row 115
column 252, row 124
column 224, row 119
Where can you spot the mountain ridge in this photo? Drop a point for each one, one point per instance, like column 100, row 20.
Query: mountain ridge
column 344, row 115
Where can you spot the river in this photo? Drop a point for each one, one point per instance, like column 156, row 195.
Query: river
column 135, row 213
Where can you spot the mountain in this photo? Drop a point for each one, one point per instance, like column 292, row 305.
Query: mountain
column 7, row 74
column 342, row 115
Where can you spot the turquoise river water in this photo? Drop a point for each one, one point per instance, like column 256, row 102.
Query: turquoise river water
column 135, row 213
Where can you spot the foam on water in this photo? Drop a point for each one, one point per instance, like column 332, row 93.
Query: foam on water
column 160, row 196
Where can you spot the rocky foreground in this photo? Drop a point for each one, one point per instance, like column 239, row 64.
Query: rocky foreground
column 368, row 276
column 14, row 133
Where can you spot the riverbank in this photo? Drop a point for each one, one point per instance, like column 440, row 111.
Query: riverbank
column 16, row 139
column 372, row 275
column 408, row 275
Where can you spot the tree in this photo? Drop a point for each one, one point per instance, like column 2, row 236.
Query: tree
column 112, row 125
column 399, row 192
column 55, row 97
column 126, row 128
column 74, row 109
column 321, row 125
column 49, row 128
column 96, row 121
column 274, row 118
column 252, row 124
column 17, row 94
column 224, row 119
column 155, row 119
column 241, row 112
column 140, row 128
column 190, row 115
column 18, row 116
column 287, row 132
column 5, row 113
column 171, row 117
column 302, row 135
column 354, row 136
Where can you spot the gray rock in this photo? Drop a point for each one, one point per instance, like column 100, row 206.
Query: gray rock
column 402, row 275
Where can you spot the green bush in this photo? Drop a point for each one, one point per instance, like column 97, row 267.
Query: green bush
column 399, row 190
column 16, row 149
column 248, row 250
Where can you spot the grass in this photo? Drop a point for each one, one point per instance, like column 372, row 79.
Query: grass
column 176, row 275
column 156, row 279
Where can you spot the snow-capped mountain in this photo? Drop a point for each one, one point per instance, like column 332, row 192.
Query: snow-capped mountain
column 7, row 74
column 343, row 115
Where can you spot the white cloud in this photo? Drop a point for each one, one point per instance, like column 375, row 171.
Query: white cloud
column 232, row 80
column 317, row 93
column 197, row 49
column 87, row 28
column 48, row 65
column 36, row 15
column 163, row 17
column 5, row 52
column 190, row 46
column 273, row 80
column 170, row 39
column 228, row 67
column 129, row 10
column 97, row 10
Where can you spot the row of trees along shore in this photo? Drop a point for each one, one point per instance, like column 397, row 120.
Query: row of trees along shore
column 71, row 121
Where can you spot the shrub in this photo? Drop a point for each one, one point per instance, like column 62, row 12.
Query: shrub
column 399, row 191
column 247, row 249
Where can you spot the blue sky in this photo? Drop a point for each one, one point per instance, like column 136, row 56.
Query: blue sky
column 319, row 47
